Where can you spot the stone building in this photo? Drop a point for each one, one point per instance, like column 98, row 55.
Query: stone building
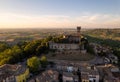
column 73, row 42
column 13, row 73
column 112, row 74
column 48, row 76
column 89, row 74
column 63, row 46
column 70, row 77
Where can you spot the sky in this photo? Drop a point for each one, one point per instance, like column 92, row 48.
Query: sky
column 59, row 13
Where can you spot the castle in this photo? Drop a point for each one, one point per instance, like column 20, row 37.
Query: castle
column 73, row 42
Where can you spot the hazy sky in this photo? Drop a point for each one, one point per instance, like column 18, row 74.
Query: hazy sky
column 59, row 13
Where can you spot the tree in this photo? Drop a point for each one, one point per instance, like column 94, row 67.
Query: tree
column 43, row 61
column 11, row 55
column 17, row 54
column 90, row 49
column 49, row 38
column 4, row 61
column 3, row 47
column 34, row 64
column 40, row 49
column 30, row 48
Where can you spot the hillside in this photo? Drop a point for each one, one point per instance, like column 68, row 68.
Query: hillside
column 113, row 34
column 106, row 37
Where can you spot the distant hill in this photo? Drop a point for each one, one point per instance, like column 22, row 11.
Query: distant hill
column 113, row 34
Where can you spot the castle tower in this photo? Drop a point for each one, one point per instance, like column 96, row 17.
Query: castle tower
column 78, row 33
column 78, row 30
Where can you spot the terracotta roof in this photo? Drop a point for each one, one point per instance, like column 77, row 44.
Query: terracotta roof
column 48, row 76
column 8, row 70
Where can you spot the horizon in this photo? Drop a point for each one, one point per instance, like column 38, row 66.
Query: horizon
column 15, row 14
column 47, row 28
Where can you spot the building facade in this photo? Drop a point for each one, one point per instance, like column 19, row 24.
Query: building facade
column 63, row 46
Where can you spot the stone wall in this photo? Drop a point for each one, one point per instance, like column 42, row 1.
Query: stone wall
column 61, row 46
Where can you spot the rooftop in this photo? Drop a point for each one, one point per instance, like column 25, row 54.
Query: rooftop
column 8, row 70
column 116, row 74
column 67, row 74
column 48, row 76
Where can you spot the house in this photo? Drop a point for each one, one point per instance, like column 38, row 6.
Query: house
column 69, row 77
column 112, row 74
column 48, row 76
column 66, row 67
column 89, row 74
column 13, row 73
column 84, row 77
